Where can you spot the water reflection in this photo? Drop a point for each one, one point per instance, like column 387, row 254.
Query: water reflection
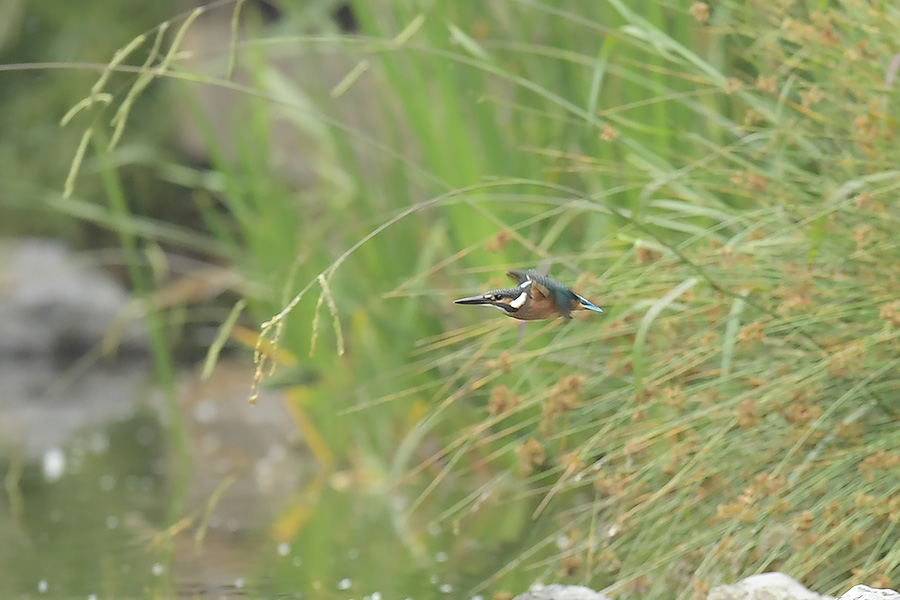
column 115, row 511
column 84, row 531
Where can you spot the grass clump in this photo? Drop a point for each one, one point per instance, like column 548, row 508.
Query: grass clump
column 721, row 179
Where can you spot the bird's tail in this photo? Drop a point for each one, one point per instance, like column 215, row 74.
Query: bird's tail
column 585, row 303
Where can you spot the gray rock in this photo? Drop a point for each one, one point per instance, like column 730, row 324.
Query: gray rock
column 54, row 311
column 53, row 305
column 556, row 591
column 41, row 407
column 864, row 592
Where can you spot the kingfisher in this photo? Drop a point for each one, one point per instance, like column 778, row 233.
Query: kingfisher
column 536, row 296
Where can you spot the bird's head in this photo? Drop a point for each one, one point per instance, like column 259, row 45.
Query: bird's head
column 510, row 300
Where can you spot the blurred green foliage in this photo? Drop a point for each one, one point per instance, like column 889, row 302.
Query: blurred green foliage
column 50, row 52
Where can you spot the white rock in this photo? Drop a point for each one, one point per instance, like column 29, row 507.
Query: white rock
column 864, row 592
column 561, row 592
column 766, row 586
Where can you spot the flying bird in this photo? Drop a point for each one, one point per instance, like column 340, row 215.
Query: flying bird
column 535, row 297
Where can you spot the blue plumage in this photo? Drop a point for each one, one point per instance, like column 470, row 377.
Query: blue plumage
column 588, row 304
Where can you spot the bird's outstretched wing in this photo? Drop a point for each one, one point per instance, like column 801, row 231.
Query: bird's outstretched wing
column 539, row 282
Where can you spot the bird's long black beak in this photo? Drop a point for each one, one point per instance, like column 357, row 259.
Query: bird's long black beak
column 472, row 300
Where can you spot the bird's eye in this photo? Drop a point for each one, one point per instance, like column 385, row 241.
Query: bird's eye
column 497, row 296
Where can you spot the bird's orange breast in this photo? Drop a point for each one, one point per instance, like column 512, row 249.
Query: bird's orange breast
column 537, row 307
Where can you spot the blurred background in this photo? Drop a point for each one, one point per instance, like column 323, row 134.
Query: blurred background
column 231, row 234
